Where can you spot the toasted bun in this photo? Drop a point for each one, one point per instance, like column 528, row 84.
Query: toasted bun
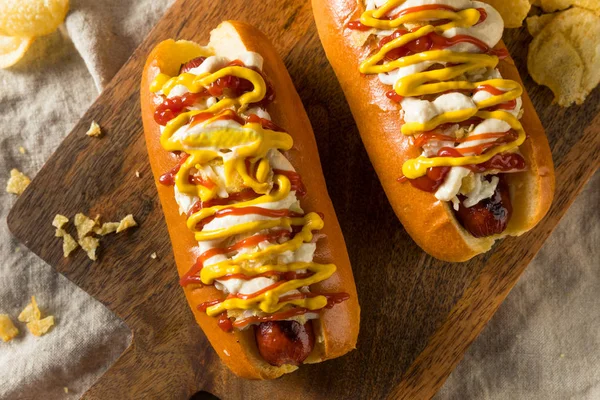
column 337, row 329
column 430, row 222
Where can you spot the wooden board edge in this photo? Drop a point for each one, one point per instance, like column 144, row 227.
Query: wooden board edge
column 444, row 349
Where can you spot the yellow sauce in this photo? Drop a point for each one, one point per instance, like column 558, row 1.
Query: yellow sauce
column 441, row 80
column 251, row 142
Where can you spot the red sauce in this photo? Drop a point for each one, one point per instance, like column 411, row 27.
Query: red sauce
column 196, row 62
column 200, row 180
column 248, row 210
column 279, row 316
column 509, row 105
column 357, row 26
column 168, row 178
column 295, row 180
column 426, row 7
column 232, row 86
column 482, row 15
column 224, row 323
column 227, row 115
column 431, row 41
column 172, row 107
column 244, row 195
column 502, row 162
column 266, row 124
column 191, row 275
column 392, row 95
column 332, row 299
column 431, row 181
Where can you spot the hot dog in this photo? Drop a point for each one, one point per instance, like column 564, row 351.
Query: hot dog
column 258, row 247
column 440, row 106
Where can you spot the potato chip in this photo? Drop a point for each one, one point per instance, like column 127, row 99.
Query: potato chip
column 84, row 225
column 106, row 228
column 12, row 49
column 8, row 331
column 31, row 312
column 537, row 3
column 89, row 245
column 69, row 244
column 59, row 221
column 126, row 223
column 31, row 17
column 555, row 55
column 536, row 23
column 513, row 12
column 554, row 5
column 94, row 130
column 41, row 326
column 18, row 182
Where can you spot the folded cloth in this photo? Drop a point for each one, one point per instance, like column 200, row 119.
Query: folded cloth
column 544, row 341
column 41, row 99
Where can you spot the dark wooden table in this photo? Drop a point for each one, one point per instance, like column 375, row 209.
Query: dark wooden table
column 419, row 315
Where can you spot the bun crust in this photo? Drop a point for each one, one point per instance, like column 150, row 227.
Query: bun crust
column 338, row 327
column 430, row 222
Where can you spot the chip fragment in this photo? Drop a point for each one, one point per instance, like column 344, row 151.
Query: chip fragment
column 69, row 244
column 84, row 225
column 106, row 228
column 60, row 221
column 555, row 5
column 33, row 317
column 18, row 182
column 564, row 56
column 89, row 244
column 26, row 18
column 513, row 12
column 94, row 130
column 126, row 223
column 12, row 49
column 40, row 326
column 8, row 331
column 31, row 312
column 536, row 23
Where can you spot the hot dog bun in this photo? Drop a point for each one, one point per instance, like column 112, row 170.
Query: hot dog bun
column 337, row 328
column 430, row 222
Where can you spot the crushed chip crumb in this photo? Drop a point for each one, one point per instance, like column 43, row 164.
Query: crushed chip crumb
column 137, row 174
column 18, row 182
column 84, row 225
column 40, row 326
column 106, row 228
column 89, row 244
column 59, row 221
column 31, row 312
column 126, row 223
column 22, row 150
column 94, row 130
column 33, row 317
column 66, row 389
column 153, row 256
column 8, row 331
column 69, row 244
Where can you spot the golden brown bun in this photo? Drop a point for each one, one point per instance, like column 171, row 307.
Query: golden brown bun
column 337, row 326
column 431, row 223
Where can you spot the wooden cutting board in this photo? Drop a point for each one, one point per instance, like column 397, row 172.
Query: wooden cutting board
column 419, row 315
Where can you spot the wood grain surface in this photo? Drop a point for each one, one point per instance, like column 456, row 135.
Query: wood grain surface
column 419, row 315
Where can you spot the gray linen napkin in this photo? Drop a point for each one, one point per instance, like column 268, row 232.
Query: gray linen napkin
column 41, row 98
column 543, row 343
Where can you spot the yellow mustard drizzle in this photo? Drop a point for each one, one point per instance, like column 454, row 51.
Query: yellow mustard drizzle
column 251, row 142
column 441, row 80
